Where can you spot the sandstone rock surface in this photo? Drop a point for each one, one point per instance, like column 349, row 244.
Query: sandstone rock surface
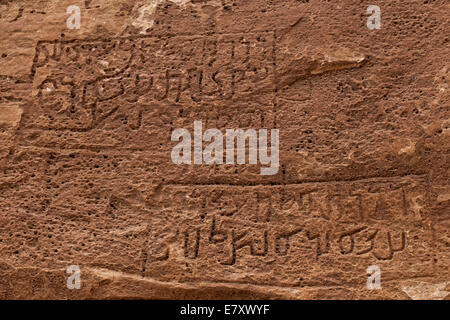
column 86, row 176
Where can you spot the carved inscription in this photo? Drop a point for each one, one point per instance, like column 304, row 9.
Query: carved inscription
column 296, row 227
column 133, row 76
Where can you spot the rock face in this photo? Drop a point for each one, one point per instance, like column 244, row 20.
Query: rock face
column 87, row 114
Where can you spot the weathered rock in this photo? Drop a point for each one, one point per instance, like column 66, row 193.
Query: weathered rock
column 87, row 179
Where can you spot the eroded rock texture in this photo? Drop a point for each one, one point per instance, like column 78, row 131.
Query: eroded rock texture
column 86, row 117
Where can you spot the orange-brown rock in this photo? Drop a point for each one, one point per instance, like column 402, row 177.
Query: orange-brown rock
column 87, row 179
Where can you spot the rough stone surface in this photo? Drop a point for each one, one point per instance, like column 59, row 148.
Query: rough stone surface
column 86, row 177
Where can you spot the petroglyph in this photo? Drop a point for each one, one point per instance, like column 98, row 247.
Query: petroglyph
column 86, row 175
